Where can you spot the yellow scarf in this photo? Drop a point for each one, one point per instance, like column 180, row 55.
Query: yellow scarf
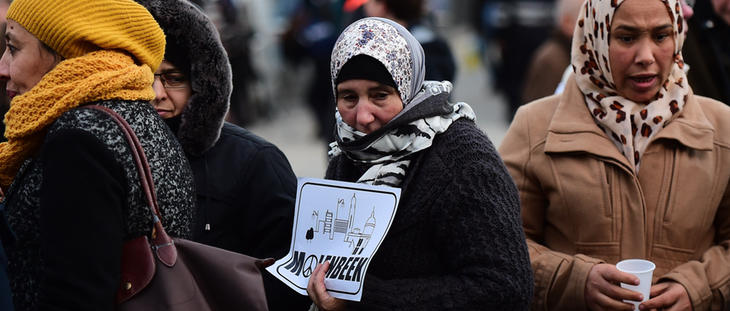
column 99, row 75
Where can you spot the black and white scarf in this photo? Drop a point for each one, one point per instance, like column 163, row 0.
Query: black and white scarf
column 387, row 150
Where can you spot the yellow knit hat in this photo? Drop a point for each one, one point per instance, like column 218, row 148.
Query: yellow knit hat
column 73, row 28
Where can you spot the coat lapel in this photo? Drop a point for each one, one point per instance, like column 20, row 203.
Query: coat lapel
column 691, row 128
column 573, row 129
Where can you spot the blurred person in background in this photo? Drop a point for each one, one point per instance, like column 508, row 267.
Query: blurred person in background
column 311, row 34
column 456, row 241
column 517, row 28
column 440, row 64
column 230, row 17
column 73, row 190
column 552, row 58
column 707, row 50
column 626, row 163
column 245, row 185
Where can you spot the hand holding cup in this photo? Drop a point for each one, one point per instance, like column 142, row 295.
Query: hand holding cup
column 602, row 291
column 641, row 269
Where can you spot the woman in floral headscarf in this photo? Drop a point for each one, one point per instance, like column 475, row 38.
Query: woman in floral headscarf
column 626, row 163
column 455, row 242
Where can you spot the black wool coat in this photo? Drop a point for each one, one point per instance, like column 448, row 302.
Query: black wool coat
column 456, row 242
column 245, row 193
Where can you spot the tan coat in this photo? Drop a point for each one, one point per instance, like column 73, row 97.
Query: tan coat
column 582, row 204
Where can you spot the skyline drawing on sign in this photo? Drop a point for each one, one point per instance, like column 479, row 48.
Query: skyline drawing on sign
column 342, row 223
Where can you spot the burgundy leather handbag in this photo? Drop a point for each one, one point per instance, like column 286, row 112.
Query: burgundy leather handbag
column 164, row 273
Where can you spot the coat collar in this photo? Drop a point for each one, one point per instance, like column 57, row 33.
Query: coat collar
column 691, row 128
column 573, row 129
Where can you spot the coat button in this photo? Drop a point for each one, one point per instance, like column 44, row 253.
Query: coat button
column 127, row 286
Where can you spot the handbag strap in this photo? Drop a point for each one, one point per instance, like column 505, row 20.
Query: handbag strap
column 162, row 244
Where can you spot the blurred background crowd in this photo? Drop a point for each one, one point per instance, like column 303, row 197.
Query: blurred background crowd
column 499, row 54
column 280, row 51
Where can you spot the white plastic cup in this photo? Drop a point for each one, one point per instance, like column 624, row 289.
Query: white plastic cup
column 642, row 269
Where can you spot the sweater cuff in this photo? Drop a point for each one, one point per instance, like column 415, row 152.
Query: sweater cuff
column 582, row 265
column 700, row 294
column 562, row 281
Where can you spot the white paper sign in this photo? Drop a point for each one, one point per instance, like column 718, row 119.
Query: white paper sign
column 340, row 222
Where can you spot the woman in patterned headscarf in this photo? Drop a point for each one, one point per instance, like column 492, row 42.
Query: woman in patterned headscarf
column 626, row 163
column 456, row 240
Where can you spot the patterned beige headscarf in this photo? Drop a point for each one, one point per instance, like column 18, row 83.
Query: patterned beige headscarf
column 630, row 125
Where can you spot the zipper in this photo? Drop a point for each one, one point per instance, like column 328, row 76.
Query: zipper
column 668, row 191
column 608, row 171
column 637, row 186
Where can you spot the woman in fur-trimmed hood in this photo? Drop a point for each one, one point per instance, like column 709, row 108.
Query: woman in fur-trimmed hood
column 245, row 185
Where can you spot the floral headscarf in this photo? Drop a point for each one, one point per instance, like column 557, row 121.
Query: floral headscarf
column 389, row 43
column 426, row 111
column 630, row 125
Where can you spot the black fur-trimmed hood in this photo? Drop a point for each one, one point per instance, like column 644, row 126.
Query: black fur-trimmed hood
column 186, row 26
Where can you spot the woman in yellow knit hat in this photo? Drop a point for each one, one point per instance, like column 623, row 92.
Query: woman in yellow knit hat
column 72, row 192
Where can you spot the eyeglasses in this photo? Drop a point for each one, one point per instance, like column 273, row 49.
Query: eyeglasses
column 172, row 79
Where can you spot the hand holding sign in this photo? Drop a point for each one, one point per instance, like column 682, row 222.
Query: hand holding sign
column 318, row 292
column 339, row 223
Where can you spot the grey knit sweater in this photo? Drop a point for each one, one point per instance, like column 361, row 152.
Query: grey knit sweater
column 457, row 241
column 73, row 204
